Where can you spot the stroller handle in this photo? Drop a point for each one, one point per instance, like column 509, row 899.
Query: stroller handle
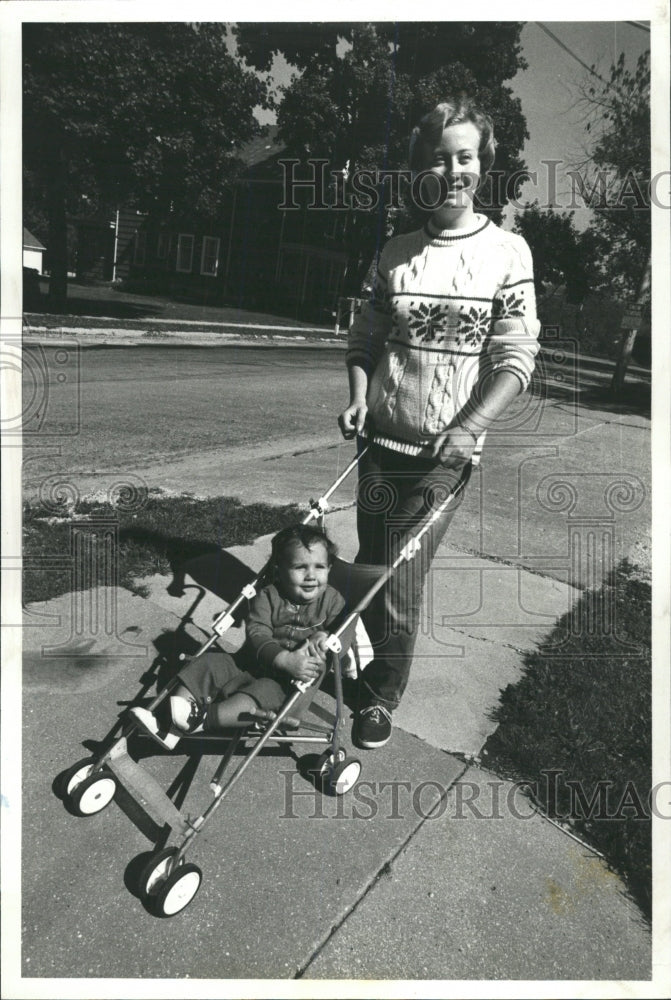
column 318, row 508
column 406, row 554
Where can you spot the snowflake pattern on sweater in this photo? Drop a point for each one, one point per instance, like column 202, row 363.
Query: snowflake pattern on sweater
column 508, row 304
column 439, row 311
column 474, row 325
column 427, row 322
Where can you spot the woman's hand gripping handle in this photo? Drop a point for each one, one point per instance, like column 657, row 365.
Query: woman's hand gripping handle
column 352, row 419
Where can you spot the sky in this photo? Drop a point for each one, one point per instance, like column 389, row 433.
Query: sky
column 547, row 90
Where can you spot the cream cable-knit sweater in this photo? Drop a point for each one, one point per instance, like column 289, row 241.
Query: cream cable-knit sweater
column 442, row 309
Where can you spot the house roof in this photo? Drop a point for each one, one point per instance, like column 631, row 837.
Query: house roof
column 262, row 147
column 31, row 242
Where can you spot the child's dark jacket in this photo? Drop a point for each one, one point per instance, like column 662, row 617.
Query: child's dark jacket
column 274, row 624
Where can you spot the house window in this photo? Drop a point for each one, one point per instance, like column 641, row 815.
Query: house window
column 140, row 250
column 184, row 252
column 163, row 246
column 209, row 258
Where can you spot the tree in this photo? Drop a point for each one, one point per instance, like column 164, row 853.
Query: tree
column 617, row 120
column 142, row 114
column 562, row 255
column 360, row 88
column 617, row 172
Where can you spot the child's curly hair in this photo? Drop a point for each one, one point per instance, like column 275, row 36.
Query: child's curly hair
column 306, row 535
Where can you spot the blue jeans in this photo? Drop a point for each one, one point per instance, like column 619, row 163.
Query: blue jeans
column 395, row 494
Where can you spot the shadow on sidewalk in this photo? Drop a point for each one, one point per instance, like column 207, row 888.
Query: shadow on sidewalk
column 633, row 398
column 594, row 393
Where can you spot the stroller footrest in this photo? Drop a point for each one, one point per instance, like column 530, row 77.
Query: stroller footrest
column 147, row 793
column 263, row 715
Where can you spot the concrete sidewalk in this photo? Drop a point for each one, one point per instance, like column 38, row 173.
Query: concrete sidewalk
column 397, row 880
column 432, row 867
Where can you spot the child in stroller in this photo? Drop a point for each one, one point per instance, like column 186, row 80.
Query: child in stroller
column 287, row 652
column 286, row 628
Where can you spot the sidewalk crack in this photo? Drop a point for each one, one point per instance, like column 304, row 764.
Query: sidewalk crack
column 517, row 564
column 384, row 871
column 486, row 638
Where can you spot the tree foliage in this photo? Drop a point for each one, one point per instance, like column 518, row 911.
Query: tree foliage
column 618, row 173
column 140, row 114
column 361, row 87
column 610, row 256
column 562, row 255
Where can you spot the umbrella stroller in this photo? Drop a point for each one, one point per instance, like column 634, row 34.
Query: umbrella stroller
column 168, row 883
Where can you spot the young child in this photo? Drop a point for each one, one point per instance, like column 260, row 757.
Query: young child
column 286, row 629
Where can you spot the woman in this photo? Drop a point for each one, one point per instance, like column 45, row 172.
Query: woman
column 444, row 342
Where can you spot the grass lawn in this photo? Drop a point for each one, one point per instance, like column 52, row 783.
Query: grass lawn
column 578, row 726
column 102, row 300
column 156, row 537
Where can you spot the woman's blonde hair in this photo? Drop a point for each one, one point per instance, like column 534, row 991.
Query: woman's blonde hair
column 453, row 111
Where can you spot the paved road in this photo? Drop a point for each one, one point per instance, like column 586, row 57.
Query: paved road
column 130, row 408
column 125, row 408
column 231, row 420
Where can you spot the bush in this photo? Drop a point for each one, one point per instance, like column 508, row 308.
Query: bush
column 32, row 294
column 594, row 324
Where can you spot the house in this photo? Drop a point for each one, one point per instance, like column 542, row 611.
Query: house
column 104, row 244
column 33, row 252
column 256, row 256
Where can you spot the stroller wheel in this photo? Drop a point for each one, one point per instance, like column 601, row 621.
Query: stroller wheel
column 76, row 774
column 156, row 871
column 326, row 763
column 178, row 890
column 344, row 776
column 91, row 795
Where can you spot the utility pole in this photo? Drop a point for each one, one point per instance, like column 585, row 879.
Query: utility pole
column 116, row 244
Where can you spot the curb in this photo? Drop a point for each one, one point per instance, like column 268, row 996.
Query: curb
column 247, row 335
column 150, row 338
column 100, row 328
column 106, row 331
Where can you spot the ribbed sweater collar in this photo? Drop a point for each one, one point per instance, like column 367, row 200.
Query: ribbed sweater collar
column 446, row 237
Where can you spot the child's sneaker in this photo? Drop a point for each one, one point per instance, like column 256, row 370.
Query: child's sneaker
column 185, row 714
column 167, row 738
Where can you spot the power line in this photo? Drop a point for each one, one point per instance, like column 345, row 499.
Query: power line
column 639, row 24
column 590, row 69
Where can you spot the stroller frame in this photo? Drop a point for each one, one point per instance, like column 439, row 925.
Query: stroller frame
column 167, row 883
